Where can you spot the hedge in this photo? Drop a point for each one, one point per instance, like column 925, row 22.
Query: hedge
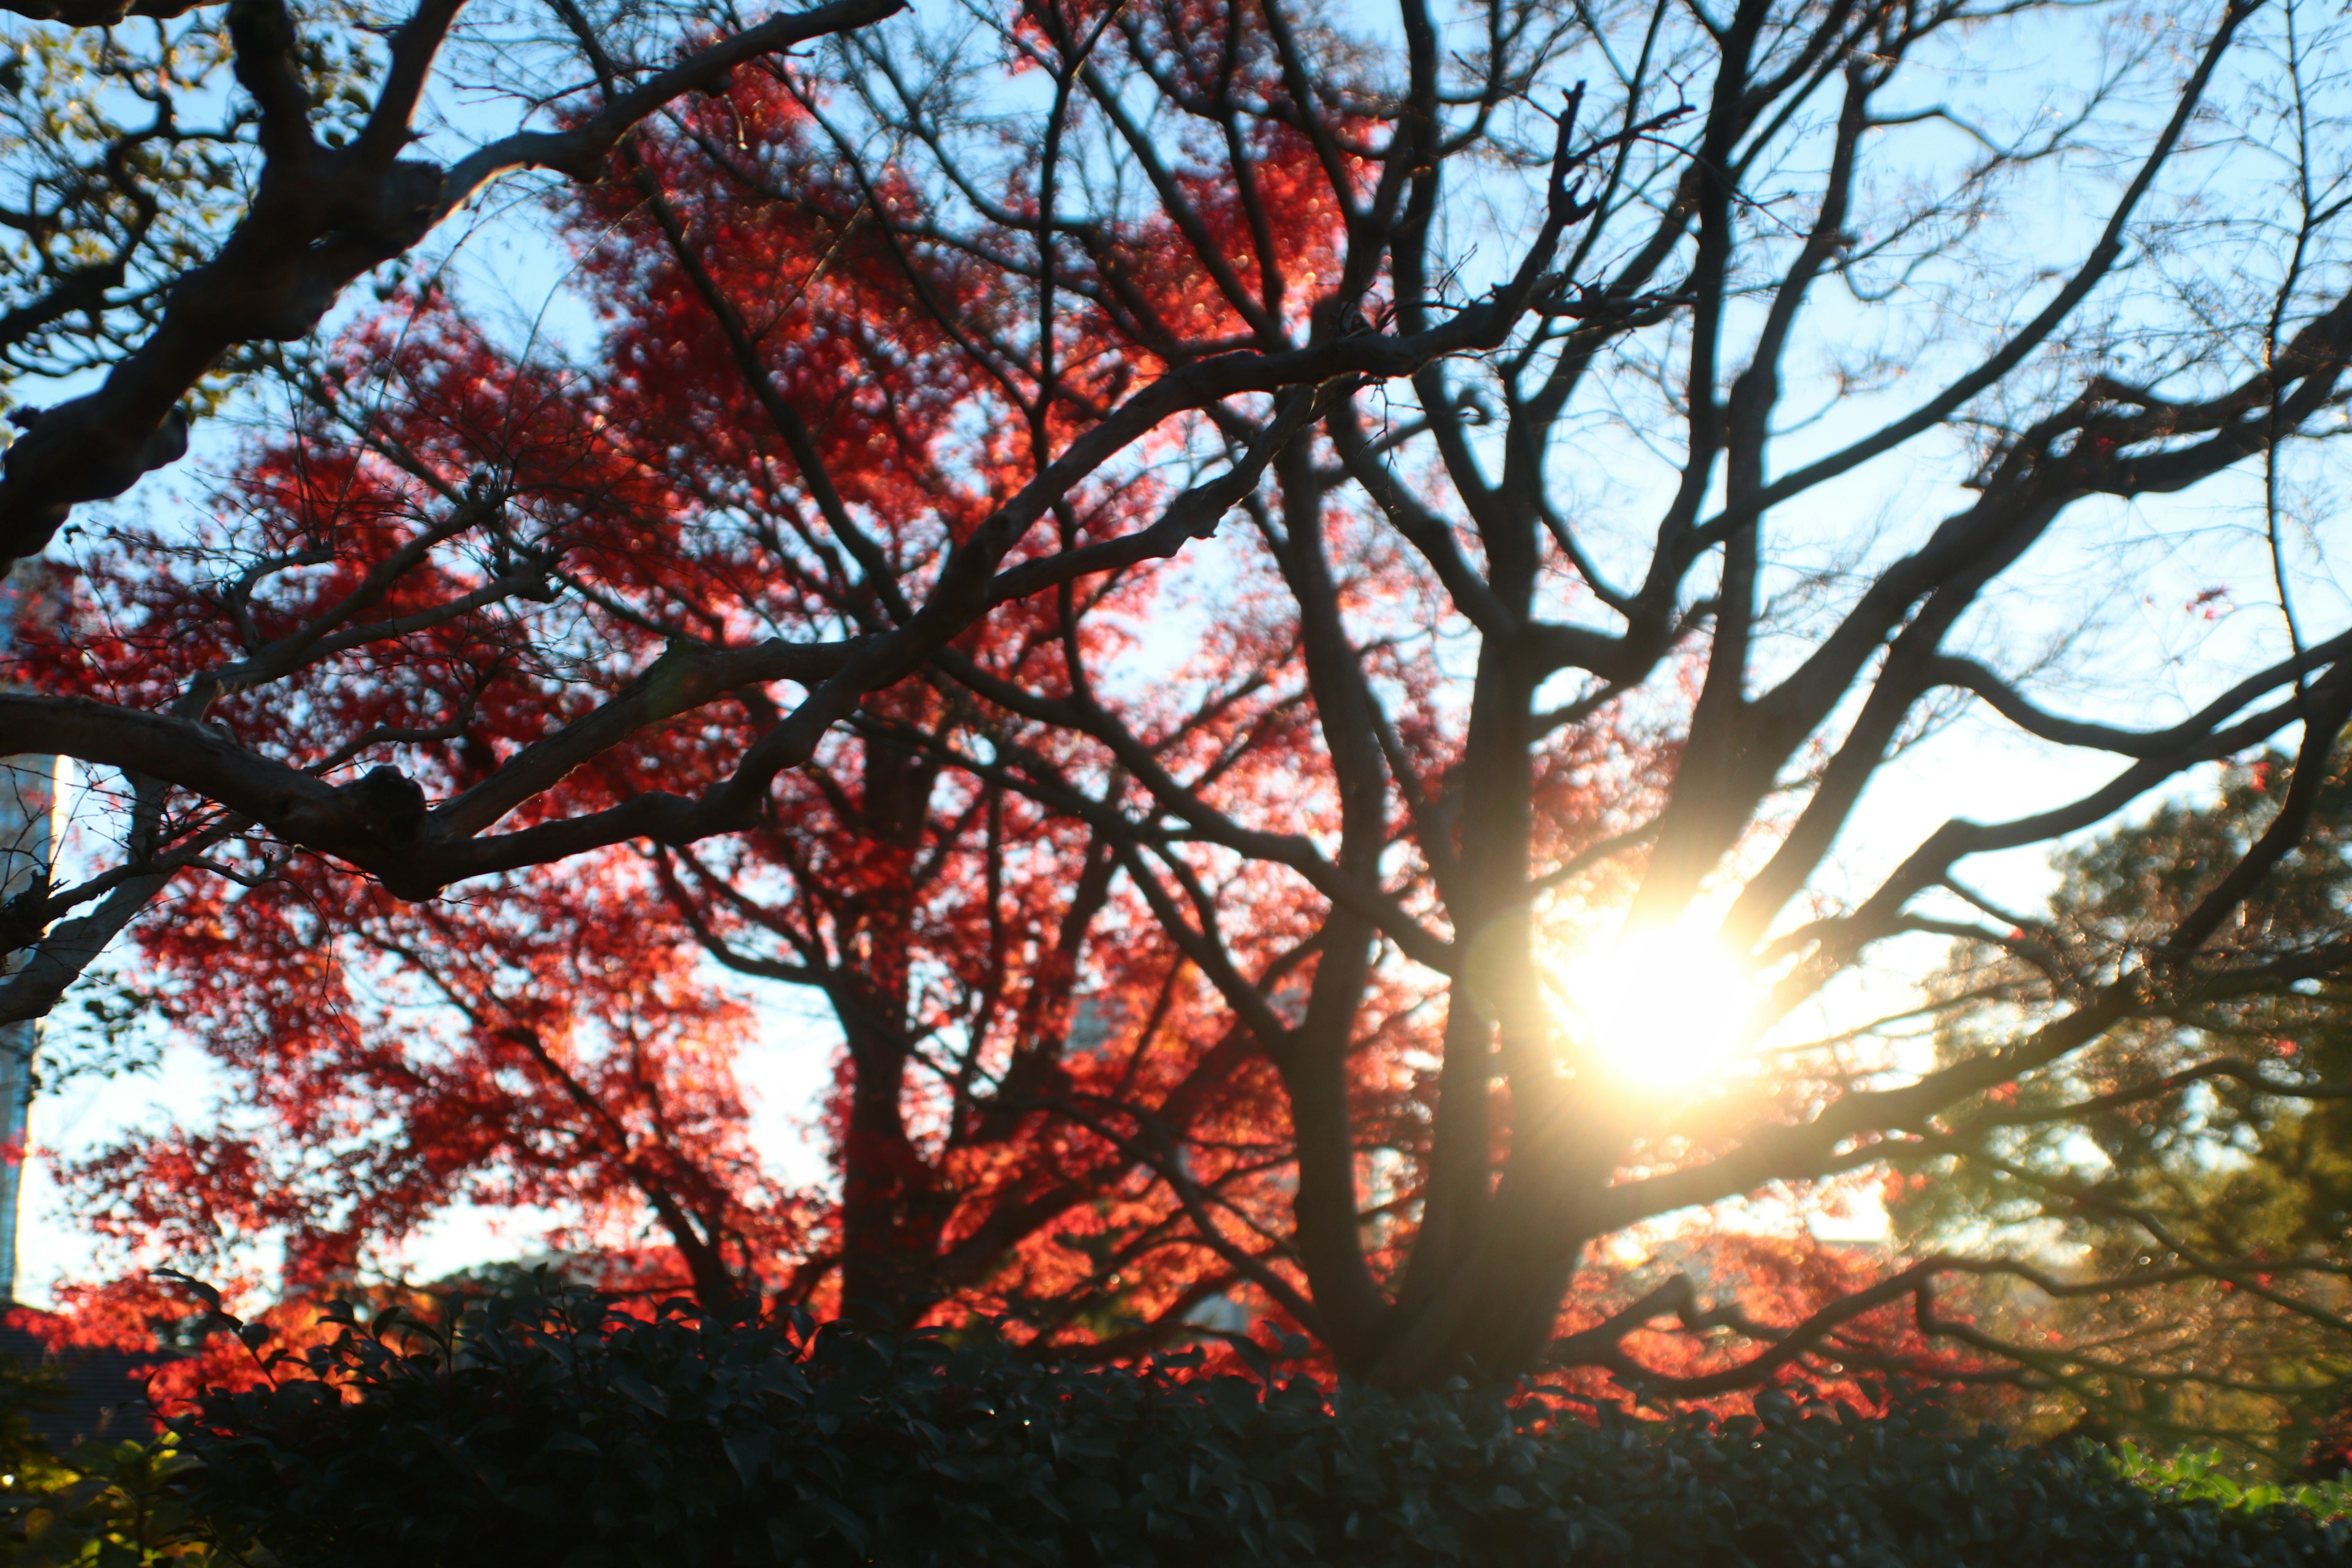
column 552, row 1431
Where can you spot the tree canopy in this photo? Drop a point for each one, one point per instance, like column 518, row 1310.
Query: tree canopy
column 1292, row 618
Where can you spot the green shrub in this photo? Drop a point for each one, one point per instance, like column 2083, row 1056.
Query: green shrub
column 2206, row 1477
column 105, row 1505
column 123, row 1504
column 549, row 1432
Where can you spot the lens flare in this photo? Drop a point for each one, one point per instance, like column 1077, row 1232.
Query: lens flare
column 1663, row 1007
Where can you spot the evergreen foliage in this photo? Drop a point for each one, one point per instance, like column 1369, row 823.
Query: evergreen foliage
column 2205, row 1144
column 557, row 1431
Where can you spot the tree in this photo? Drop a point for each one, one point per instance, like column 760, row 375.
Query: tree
column 2209, row 1128
column 706, row 473
column 977, row 326
column 1438, row 842
column 1508, row 507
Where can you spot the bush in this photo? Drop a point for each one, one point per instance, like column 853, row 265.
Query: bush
column 551, row 1432
column 123, row 1504
column 105, row 1505
column 2206, row 1476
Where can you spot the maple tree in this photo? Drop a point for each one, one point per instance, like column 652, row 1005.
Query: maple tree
column 700, row 482
column 1424, row 833
column 1243, row 968
column 987, row 509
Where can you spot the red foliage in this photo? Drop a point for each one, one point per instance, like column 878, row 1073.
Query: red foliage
column 1021, row 1042
column 1052, row 1101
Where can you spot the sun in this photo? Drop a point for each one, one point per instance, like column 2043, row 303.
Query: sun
column 1664, row 1008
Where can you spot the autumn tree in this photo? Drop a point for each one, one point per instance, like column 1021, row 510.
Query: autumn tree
column 543, row 586
column 1767, row 280
column 1631, row 418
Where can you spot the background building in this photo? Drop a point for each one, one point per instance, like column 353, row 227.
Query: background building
column 31, row 807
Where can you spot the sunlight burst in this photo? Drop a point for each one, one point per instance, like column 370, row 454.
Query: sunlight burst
column 1663, row 1007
